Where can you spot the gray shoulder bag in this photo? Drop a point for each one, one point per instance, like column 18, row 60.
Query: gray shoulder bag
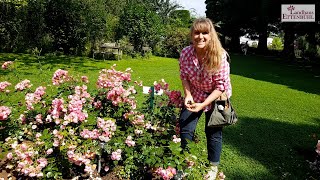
column 223, row 113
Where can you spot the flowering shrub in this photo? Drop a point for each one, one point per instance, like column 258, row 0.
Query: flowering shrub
column 315, row 163
column 75, row 130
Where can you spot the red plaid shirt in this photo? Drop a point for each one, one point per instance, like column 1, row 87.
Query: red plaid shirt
column 202, row 83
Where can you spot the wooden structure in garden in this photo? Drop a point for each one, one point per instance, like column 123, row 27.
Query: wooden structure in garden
column 107, row 49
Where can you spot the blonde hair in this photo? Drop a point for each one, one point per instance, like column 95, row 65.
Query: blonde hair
column 214, row 50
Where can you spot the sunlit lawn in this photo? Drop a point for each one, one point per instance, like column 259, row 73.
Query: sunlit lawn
column 278, row 106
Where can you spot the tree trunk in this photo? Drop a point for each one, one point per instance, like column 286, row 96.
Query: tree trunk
column 235, row 40
column 263, row 26
column 288, row 50
column 263, row 35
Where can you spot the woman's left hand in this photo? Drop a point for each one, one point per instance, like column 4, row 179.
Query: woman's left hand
column 195, row 107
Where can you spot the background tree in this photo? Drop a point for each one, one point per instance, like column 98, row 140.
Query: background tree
column 73, row 23
column 163, row 8
column 10, row 24
column 181, row 18
column 35, row 26
column 142, row 26
column 262, row 18
column 234, row 17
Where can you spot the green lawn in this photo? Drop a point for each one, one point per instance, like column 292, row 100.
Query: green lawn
column 278, row 106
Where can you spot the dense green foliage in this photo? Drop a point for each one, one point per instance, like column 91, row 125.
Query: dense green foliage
column 181, row 18
column 65, row 26
column 174, row 41
column 260, row 18
column 79, row 27
column 277, row 44
column 142, row 26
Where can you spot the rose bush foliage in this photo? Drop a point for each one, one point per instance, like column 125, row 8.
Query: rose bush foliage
column 74, row 130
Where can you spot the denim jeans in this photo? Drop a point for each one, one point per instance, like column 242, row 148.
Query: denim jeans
column 188, row 122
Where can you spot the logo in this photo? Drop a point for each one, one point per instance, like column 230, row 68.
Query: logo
column 298, row 13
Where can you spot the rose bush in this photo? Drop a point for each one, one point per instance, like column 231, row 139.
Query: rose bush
column 75, row 131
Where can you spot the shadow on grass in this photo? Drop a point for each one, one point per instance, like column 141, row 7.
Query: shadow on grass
column 302, row 78
column 280, row 147
column 79, row 63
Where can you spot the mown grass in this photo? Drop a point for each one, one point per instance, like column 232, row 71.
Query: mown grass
column 278, row 106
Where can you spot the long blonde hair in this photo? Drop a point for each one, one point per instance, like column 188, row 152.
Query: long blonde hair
column 214, row 50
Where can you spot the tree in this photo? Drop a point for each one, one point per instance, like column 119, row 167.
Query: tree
column 35, row 25
column 237, row 19
column 73, row 23
column 233, row 15
column 142, row 26
column 115, row 7
column 11, row 13
column 163, row 8
column 180, row 18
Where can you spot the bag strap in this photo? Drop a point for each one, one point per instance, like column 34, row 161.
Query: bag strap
column 223, row 97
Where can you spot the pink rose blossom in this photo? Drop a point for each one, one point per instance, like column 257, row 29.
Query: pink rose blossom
column 38, row 135
column 24, row 147
column 138, row 132
column 87, row 134
column 39, row 118
column 4, row 112
column 84, row 79
column 106, row 168
column 89, row 168
column 221, row 176
column 130, row 142
column 148, row 125
column 176, row 139
column 3, row 85
column 59, row 77
column 42, row 162
column 49, row 151
column 56, row 143
column 166, row 174
column 161, row 85
column 97, row 105
column 9, row 155
column 116, row 155
column 6, row 64
column 23, row 85
column 318, row 147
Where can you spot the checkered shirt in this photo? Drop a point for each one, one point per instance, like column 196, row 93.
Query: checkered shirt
column 203, row 83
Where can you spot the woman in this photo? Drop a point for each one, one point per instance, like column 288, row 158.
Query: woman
column 205, row 75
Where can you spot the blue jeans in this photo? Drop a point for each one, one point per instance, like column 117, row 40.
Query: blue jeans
column 188, row 122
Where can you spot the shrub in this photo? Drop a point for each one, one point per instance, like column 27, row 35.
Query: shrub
column 74, row 130
column 276, row 44
column 174, row 42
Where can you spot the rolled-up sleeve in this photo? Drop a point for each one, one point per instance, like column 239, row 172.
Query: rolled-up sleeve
column 183, row 66
column 221, row 78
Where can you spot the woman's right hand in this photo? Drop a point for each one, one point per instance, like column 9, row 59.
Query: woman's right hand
column 188, row 101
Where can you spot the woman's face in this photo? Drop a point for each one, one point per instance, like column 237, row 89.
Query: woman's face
column 200, row 39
